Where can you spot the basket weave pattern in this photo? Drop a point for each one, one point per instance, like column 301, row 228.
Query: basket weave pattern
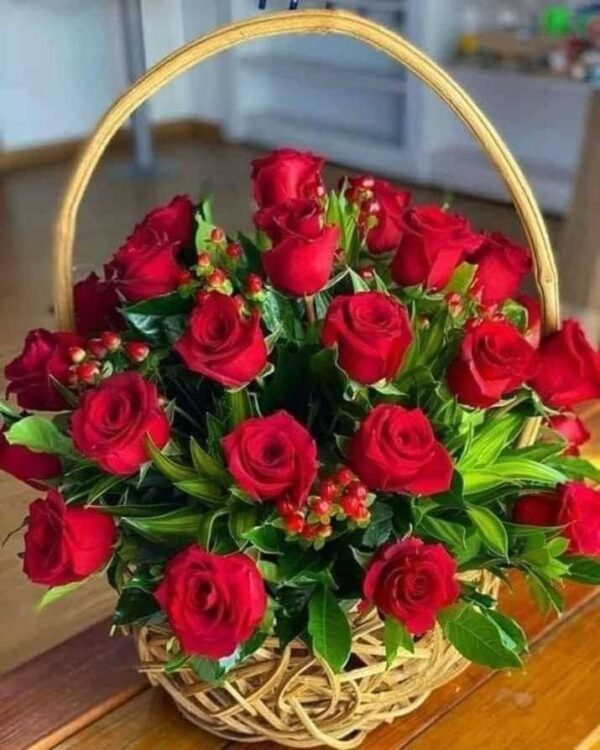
column 293, row 698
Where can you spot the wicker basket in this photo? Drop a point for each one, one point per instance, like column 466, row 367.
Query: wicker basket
column 290, row 696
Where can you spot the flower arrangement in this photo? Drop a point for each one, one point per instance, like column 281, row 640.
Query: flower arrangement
column 253, row 436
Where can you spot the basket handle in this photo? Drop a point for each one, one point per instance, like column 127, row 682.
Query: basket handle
column 304, row 22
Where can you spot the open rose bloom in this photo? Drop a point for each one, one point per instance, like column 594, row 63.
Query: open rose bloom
column 262, row 434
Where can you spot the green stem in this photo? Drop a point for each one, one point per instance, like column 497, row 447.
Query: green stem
column 239, row 406
column 309, row 304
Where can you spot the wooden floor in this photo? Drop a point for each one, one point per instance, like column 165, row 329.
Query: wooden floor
column 28, row 202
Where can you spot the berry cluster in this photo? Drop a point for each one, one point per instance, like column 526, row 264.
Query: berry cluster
column 341, row 497
column 360, row 194
column 86, row 367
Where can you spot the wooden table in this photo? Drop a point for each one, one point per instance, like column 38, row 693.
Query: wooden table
column 86, row 695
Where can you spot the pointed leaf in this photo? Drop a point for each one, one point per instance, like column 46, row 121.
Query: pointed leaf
column 491, row 529
column 395, row 637
column 329, row 629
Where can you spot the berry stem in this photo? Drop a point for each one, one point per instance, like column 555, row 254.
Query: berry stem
column 309, row 304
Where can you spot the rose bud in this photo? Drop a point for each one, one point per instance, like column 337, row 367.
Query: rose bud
column 66, row 543
column 112, row 423
column 279, row 442
column 45, row 356
column 136, row 351
column 501, row 267
column 95, row 304
column 395, row 450
column 372, row 333
column 433, row 244
column 493, row 361
column 569, row 371
column 286, row 174
column 213, row 603
column 411, row 582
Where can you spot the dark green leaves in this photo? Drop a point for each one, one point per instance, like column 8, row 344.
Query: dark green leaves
column 329, row 629
column 584, row 569
column 177, row 526
column 41, row 436
column 479, row 638
column 171, row 469
column 395, row 637
column 160, row 320
column 380, row 528
column 206, row 466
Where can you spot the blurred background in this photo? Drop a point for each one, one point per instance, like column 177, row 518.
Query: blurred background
column 533, row 66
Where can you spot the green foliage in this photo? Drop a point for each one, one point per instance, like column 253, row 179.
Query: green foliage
column 396, row 637
column 160, row 320
column 40, row 436
column 329, row 629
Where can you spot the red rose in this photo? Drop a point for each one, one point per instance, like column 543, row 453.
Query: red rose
column 96, row 304
column 494, row 359
column 45, row 355
column 213, row 603
column 222, row 344
column 411, row 582
column 272, row 457
column 569, row 368
column 372, row 332
column 433, row 244
column 285, row 174
column 112, row 421
column 301, row 258
column 572, row 429
column 395, row 450
column 175, row 220
column 501, row 267
column 380, row 200
column 27, row 465
column 65, row 543
column 533, row 332
column 146, row 265
column 575, row 506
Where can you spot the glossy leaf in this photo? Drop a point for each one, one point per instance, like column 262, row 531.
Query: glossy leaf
column 396, row 637
column 40, row 436
column 329, row 629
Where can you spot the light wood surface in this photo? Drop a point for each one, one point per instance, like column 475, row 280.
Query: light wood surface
column 28, row 204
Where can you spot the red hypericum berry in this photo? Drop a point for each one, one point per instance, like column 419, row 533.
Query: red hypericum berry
column 217, row 235
column 72, row 377
column 366, row 274
column 233, row 251
column 295, row 524
column 137, row 351
column 88, row 372
column 239, row 301
column 363, row 515
column 328, row 490
column 184, row 277
column 372, row 207
column 217, row 277
column 286, row 507
column 204, row 260
column 310, row 531
column 320, row 507
column 254, row 284
column 367, row 183
column 76, row 354
column 358, row 489
column 111, row 340
column 324, row 530
column 96, row 348
column 455, row 304
column 351, row 505
column 344, row 476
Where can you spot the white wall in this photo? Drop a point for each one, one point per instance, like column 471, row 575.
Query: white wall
column 62, row 64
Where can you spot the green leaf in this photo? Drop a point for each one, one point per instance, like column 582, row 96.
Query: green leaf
column 242, row 519
column 55, row 593
column 491, row 529
column 40, row 436
column 329, row 629
column 179, row 524
column 135, row 606
column 239, row 406
column 511, row 632
column 207, row 525
column 517, row 471
column 489, row 442
column 395, row 637
column 267, row 539
column 516, row 314
column 8, row 414
column 160, row 319
column 358, row 284
column 171, row 469
column 380, row 528
column 477, row 637
column 461, row 279
column 583, row 569
column 452, row 534
column 576, row 468
column 207, row 491
column 544, row 592
column 206, row 465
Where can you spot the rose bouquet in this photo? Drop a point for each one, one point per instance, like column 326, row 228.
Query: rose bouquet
column 268, row 436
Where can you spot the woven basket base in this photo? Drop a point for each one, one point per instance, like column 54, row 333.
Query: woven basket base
column 294, row 699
